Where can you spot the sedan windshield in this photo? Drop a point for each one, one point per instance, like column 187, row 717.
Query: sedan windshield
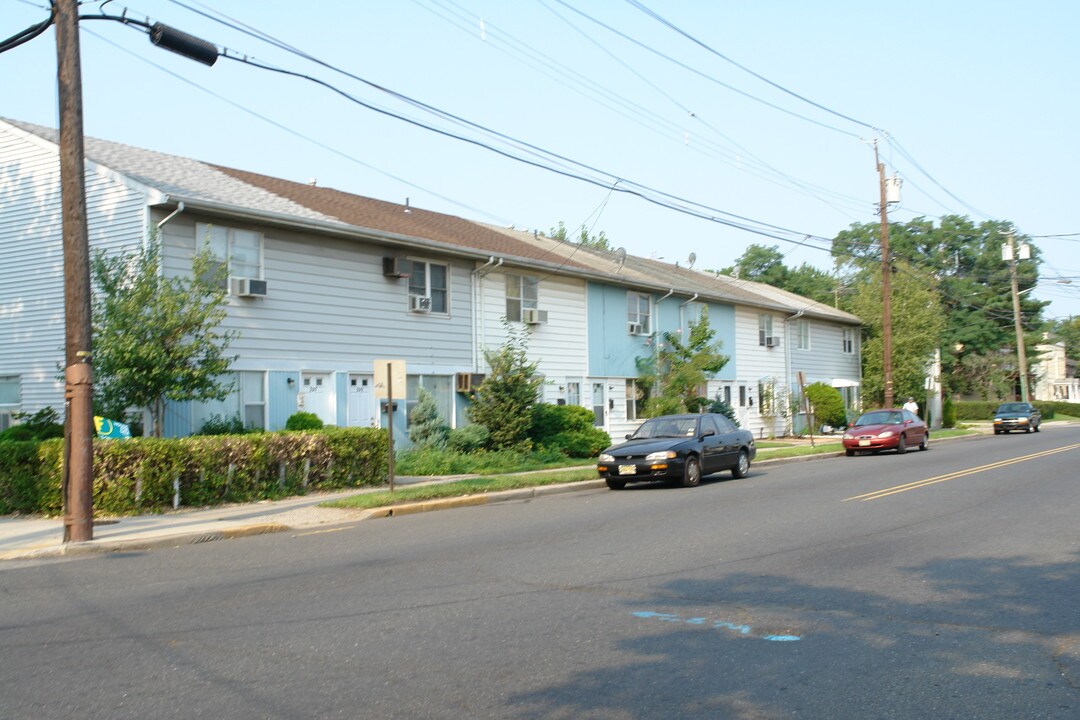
column 667, row 427
column 881, row 417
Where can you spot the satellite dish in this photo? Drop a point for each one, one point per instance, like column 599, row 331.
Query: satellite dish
column 620, row 259
column 691, row 260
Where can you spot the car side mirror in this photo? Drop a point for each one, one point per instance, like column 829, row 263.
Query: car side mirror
column 629, row 436
column 707, row 433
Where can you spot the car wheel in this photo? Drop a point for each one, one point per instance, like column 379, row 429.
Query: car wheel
column 925, row 442
column 616, row 484
column 743, row 468
column 849, row 452
column 996, row 431
column 1027, row 430
column 692, row 472
column 901, row 445
column 1037, row 428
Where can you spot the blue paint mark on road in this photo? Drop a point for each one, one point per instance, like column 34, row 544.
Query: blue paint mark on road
column 744, row 630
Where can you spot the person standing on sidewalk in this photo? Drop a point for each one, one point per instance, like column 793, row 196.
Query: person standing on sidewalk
column 912, row 406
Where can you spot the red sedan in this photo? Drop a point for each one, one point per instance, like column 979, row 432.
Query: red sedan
column 889, row 429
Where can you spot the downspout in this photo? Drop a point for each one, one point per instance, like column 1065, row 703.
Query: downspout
column 179, row 209
column 656, row 343
column 478, row 307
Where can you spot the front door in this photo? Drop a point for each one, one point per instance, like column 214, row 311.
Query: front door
column 362, row 411
column 599, row 406
column 318, row 396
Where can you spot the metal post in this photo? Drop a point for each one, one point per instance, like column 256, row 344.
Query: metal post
column 390, row 422
column 79, row 471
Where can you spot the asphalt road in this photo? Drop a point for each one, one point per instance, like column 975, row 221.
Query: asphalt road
column 939, row 584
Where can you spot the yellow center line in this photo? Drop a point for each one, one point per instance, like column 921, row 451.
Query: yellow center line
column 959, row 473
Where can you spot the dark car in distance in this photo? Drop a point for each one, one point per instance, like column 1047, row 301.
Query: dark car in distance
column 681, row 448
column 1016, row 416
column 887, row 429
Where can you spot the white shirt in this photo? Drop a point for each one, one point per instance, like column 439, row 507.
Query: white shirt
column 912, row 406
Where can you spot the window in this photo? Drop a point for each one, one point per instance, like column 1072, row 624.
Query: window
column 848, row 342
column 240, row 251
column 804, row 334
column 727, row 395
column 764, row 331
column 253, row 398
column 723, row 424
column 431, row 280
column 573, row 393
column 632, row 400
column 521, row 294
column 9, row 400
column 637, row 313
column 742, row 396
column 441, row 388
column 598, row 404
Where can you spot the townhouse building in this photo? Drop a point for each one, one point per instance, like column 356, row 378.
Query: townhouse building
column 323, row 285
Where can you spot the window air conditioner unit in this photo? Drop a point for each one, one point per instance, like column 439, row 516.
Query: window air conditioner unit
column 395, row 267
column 467, row 382
column 772, row 341
column 249, row 287
column 531, row 316
column 637, row 329
column 419, row 303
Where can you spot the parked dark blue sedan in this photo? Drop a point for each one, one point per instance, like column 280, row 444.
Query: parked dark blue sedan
column 682, row 448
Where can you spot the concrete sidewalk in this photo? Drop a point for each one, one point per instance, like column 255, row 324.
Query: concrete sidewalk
column 27, row 538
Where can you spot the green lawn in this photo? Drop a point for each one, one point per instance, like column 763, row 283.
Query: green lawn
column 457, row 488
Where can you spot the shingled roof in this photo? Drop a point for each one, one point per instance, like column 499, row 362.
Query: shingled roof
column 196, row 182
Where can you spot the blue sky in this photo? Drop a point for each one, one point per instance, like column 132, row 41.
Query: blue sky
column 982, row 96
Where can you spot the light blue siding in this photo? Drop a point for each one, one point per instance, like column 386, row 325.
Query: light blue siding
column 281, row 398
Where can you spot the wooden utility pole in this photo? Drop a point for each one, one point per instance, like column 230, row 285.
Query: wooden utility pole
column 79, row 418
column 1021, row 351
column 886, row 286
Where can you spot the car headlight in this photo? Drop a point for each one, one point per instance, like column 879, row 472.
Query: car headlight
column 604, row 457
column 886, row 434
column 1022, row 420
column 997, row 419
column 664, row 455
column 849, row 436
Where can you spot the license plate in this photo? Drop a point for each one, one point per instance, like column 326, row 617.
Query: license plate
column 628, row 469
column 864, row 443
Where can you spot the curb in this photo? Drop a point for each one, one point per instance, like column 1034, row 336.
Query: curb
column 107, row 546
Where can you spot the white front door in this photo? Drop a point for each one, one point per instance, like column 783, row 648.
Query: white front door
column 599, row 406
column 318, row 396
column 362, row 412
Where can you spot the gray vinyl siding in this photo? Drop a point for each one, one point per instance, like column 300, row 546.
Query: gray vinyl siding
column 32, row 272
column 825, row 361
column 329, row 307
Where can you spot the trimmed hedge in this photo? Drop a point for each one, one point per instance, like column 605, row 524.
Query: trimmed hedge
column 143, row 474
column 984, row 409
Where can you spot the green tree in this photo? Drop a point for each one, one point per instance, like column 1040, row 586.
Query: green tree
column 157, row 337
column 680, row 369
column 1067, row 331
column 599, row 242
column 427, row 428
column 827, row 403
column 766, row 265
column 505, row 400
column 917, row 329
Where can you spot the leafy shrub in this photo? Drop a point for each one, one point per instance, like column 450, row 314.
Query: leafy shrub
column 828, row 404
column 581, row 443
column 719, row 406
column 304, row 421
column 468, row 439
column 948, row 413
column 42, row 425
column 567, row 428
column 221, row 425
column 436, row 461
column 137, row 475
